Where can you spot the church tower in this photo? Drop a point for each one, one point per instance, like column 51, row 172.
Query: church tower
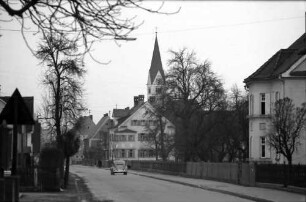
column 156, row 78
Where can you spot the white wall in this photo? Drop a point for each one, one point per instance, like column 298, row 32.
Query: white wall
column 287, row 87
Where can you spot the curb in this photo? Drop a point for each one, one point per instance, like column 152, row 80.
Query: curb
column 207, row 188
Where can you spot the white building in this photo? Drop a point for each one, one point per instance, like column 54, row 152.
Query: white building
column 129, row 136
column 283, row 75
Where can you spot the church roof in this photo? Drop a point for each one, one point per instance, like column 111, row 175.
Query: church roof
column 156, row 64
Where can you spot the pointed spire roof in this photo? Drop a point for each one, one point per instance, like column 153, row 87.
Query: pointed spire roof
column 156, row 64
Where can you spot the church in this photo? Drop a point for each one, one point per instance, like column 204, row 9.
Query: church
column 136, row 131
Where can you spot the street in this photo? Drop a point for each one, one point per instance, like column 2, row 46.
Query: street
column 133, row 188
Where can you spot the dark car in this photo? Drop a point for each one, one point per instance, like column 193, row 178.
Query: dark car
column 118, row 166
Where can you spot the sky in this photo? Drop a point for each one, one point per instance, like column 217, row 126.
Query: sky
column 237, row 37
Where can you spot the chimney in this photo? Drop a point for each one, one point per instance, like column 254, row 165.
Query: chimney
column 105, row 115
column 135, row 101
column 90, row 116
column 140, row 98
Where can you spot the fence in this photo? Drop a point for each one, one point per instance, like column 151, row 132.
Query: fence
column 168, row 167
column 241, row 173
column 279, row 174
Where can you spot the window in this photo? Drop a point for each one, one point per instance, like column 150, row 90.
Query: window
column 142, row 137
column 133, row 122
column 146, row 153
column 149, row 90
column 131, row 153
column 131, row 138
column 263, row 147
column 143, row 122
column 251, row 104
column 158, row 90
column 262, row 126
column 122, row 153
column 263, row 103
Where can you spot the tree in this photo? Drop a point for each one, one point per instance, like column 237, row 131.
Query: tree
column 287, row 123
column 62, row 76
column 71, row 142
column 238, row 105
column 86, row 19
column 158, row 139
column 191, row 87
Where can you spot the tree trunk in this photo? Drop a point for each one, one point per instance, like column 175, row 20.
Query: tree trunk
column 66, row 178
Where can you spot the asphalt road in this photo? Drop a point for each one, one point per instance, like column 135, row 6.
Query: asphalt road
column 134, row 188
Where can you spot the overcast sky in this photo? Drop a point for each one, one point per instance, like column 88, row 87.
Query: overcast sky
column 236, row 37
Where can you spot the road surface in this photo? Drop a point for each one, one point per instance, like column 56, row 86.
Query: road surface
column 134, row 188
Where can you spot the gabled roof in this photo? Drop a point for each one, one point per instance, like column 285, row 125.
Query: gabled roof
column 130, row 112
column 24, row 109
column 119, row 113
column 280, row 62
column 97, row 128
column 156, row 64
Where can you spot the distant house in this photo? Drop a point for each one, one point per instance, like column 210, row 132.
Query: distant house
column 84, row 125
column 129, row 136
column 283, row 75
column 96, row 144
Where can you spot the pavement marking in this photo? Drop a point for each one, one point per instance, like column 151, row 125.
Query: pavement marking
column 207, row 188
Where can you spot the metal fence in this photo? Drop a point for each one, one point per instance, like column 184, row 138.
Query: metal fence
column 280, row 174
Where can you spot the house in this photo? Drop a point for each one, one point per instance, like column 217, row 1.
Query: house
column 28, row 144
column 96, row 144
column 283, row 75
column 84, row 125
column 129, row 138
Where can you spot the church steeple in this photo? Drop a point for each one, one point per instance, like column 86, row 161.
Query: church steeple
column 156, row 78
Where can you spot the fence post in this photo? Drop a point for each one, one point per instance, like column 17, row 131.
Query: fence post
column 252, row 173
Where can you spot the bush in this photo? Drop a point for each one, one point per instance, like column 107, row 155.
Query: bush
column 50, row 166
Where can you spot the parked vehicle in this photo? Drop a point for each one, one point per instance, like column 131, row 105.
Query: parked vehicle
column 118, row 166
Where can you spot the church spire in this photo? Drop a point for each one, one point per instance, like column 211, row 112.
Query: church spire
column 156, row 78
column 156, row 64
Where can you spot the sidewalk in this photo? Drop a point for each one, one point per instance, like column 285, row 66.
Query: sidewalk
column 77, row 191
column 251, row 193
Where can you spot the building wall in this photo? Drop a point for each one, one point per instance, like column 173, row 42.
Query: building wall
column 136, row 145
column 260, row 124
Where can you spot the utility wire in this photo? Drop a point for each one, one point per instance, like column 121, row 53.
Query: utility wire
column 191, row 29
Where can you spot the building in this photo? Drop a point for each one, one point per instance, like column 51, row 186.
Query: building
column 96, row 144
column 29, row 136
column 84, row 125
column 130, row 136
column 283, row 75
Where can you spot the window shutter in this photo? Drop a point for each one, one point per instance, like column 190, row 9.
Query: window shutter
column 268, row 103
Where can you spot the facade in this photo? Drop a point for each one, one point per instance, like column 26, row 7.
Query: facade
column 129, row 139
column 131, row 132
column 96, row 144
column 283, row 75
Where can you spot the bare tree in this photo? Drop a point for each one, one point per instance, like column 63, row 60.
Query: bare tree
column 158, row 139
column 287, row 123
column 192, row 87
column 88, row 19
column 63, row 78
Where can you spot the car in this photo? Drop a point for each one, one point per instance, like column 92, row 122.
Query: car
column 118, row 166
